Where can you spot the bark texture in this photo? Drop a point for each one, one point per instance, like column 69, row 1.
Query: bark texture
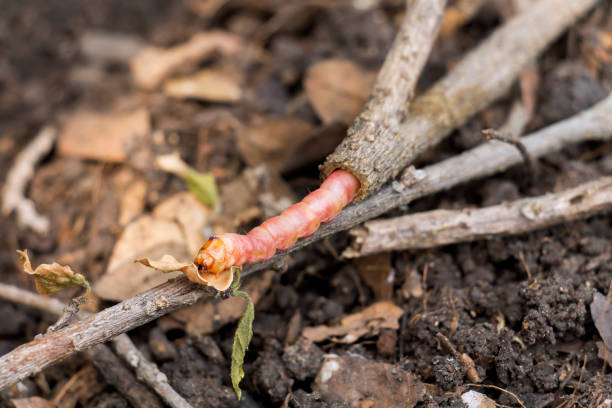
column 386, row 107
column 377, row 153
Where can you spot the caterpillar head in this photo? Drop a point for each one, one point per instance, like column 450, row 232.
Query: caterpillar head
column 211, row 257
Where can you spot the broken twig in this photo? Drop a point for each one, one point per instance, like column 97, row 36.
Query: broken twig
column 13, row 194
column 124, row 346
column 442, row 227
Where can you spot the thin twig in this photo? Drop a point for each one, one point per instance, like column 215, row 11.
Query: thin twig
column 18, row 177
column 99, row 355
column 442, row 227
column 30, row 358
column 514, row 140
column 518, row 400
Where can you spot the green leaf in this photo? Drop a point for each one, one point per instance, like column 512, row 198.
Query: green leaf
column 243, row 336
column 204, row 186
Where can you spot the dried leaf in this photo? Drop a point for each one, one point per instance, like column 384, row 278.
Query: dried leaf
column 206, row 85
column 103, row 136
column 601, row 311
column 337, row 89
column 51, row 278
column 203, row 185
column 243, row 336
column 350, row 378
column 273, row 141
column 368, row 322
column 378, row 274
column 178, row 226
column 132, row 202
column 152, row 65
column 168, row 263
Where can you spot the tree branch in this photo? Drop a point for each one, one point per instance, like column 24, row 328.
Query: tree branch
column 104, row 359
column 442, row 227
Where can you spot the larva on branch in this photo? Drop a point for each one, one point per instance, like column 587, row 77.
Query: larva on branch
column 281, row 232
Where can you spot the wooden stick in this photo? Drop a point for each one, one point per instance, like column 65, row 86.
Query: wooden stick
column 386, row 107
column 484, row 75
column 442, row 227
column 106, row 362
column 492, row 157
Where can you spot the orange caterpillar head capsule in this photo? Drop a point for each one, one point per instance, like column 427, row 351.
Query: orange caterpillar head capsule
column 211, row 257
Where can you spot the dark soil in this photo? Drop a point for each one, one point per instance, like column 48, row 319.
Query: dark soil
column 518, row 306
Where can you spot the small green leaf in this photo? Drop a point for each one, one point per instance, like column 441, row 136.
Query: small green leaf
column 242, row 338
column 203, row 185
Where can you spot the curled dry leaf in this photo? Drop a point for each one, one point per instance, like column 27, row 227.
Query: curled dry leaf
column 152, row 65
column 207, row 85
column 368, row 322
column 51, row 278
column 221, row 281
column 337, row 89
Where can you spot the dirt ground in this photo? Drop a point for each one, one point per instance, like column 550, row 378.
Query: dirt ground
column 518, row 306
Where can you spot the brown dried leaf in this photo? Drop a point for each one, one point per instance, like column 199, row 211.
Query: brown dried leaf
column 368, row 322
column 153, row 64
column 132, row 201
column 273, row 141
column 337, row 89
column 51, row 278
column 378, row 274
column 176, row 227
column 359, row 381
column 103, row 136
column 207, row 85
column 601, row 312
column 168, row 263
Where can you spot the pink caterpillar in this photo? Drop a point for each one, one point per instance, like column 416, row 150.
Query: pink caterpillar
column 281, row 232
